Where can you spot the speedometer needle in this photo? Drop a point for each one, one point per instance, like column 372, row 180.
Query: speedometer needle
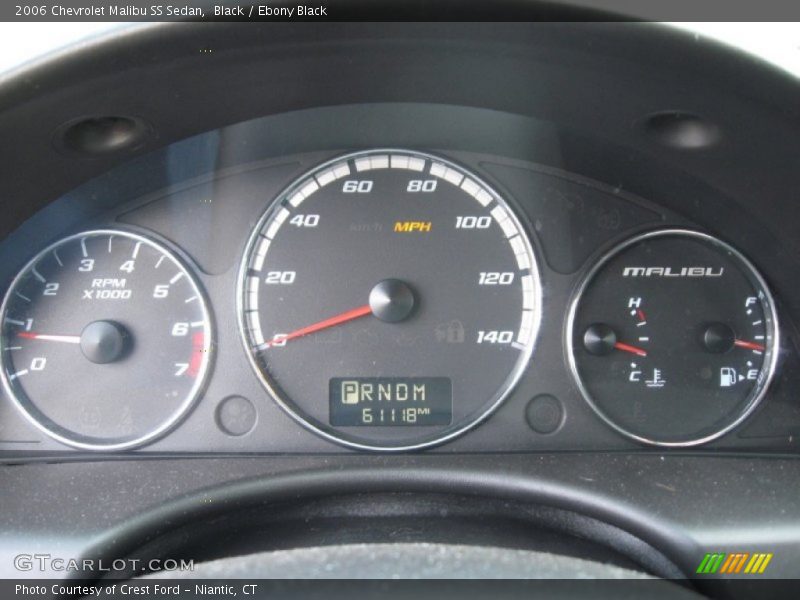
column 68, row 339
column 350, row 315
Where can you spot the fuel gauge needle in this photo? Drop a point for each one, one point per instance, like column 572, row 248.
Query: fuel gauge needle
column 749, row 345
column 67, row 339
column 630, row 349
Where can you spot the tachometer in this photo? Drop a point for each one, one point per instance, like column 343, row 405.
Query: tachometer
column 389, row 300
column 105, row 339
column 673, row 338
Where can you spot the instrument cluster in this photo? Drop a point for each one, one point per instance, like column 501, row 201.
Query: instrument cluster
column 389, row 300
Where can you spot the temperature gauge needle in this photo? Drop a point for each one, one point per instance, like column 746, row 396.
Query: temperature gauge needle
column 350, row 315
column 600, row 339
column 631, row 349
column 749, row 345
column 67, row 339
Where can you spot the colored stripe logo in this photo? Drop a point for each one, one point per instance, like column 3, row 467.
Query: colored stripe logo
column 734, row 563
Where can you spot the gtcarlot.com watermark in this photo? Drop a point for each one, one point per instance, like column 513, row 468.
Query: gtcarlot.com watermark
column 48, row 563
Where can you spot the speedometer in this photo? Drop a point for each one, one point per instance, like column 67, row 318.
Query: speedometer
column 389, row 300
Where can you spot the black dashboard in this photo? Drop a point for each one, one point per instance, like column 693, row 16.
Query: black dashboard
column 545, row 264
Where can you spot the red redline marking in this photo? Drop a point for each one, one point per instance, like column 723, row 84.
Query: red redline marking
column 749, row 345
column 640, row 314
column 356, row 313
column 198, row 349
column 631, row 349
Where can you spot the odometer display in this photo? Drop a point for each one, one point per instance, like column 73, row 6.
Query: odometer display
column 389, row 267
column 391, row 401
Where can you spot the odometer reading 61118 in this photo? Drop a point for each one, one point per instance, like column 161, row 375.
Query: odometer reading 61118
column 389, row 300
column 388, row 401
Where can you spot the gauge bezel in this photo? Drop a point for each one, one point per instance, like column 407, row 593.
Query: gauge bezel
column 330, row 433
column 770, row 364
column 192, row 396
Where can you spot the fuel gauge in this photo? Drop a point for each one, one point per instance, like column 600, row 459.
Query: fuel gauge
column 672, row 338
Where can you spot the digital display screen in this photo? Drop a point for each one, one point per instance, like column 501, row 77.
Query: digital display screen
column 390, row 401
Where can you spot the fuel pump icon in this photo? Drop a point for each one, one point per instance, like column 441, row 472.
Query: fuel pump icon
column 727, row 377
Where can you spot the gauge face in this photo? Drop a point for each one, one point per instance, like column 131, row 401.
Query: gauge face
column 105, row 339
column 389, row 300
column 673, row 337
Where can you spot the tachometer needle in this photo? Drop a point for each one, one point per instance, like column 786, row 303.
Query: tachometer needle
column 67, row 339
column 631, row 349
column 749, row 345
column 350, row 315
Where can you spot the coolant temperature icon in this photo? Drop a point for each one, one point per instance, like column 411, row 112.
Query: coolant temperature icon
column 656, row 381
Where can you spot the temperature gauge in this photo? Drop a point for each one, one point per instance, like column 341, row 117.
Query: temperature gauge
column 672, row 338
